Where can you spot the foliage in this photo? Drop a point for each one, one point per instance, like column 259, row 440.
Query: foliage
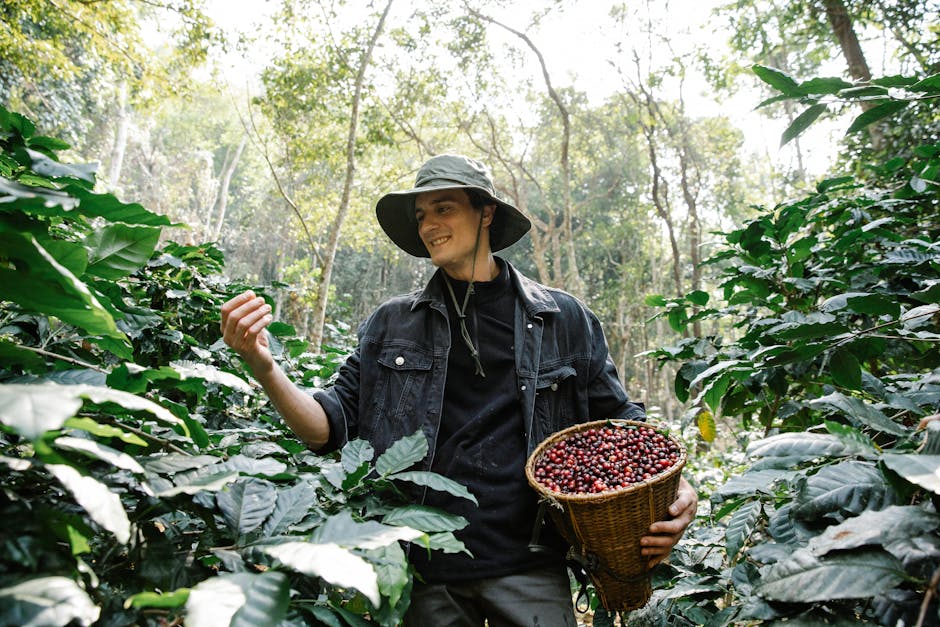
column 144, row 479
column 835, row 358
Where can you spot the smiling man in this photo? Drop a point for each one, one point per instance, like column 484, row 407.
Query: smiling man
column 487, row 363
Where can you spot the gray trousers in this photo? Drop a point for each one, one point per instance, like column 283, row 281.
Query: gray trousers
column 538, row 598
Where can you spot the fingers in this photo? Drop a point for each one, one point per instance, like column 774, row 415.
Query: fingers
column 243, row 319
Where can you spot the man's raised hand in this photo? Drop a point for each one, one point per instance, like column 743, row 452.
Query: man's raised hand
column 244, row 319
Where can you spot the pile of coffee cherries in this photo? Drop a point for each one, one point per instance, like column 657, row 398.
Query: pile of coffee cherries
column 607, row 458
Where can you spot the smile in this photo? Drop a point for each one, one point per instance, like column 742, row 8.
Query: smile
column 439, row 240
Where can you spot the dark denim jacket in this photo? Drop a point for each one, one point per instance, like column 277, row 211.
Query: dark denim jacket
column 393, row 384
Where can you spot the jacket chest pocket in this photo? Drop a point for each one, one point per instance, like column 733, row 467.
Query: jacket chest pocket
column 556, row 398
column 402, row 384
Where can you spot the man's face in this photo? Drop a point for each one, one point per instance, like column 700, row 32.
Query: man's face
column 448, row 225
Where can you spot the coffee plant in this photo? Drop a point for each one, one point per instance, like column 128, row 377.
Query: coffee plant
column 145, row 481
column 826, row 372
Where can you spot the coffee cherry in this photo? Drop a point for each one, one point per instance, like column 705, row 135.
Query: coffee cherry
column 599, row 460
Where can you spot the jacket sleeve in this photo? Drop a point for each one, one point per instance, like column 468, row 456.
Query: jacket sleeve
column 607, row 398
column 340, row 402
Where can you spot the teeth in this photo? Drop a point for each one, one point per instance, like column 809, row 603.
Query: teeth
column 438, row 241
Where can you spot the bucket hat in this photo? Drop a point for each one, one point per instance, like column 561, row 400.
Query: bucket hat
column 396, row 210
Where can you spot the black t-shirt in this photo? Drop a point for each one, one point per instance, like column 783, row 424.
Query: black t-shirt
column 481, row 444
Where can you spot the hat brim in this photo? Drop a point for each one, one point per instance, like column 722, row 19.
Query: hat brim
column 395, row 212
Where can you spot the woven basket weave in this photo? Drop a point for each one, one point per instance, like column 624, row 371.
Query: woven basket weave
column 604, row 529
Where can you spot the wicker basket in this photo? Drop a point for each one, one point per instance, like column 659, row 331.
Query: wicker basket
column 604, row 529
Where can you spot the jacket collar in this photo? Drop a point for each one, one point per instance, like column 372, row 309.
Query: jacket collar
column 534, row 296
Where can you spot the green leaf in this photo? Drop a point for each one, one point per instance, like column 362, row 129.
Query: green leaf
column 752, row 482
column 99, row 451
column 845, row 369
column 109, row 207
column 436, row 482
column 922, row 470
column 102, row 505
column 863, row 303
column 355, row 454
column 858, row 411
column 655, row 300
column 874, row 114
column 246, row 504
column 239, row 600
column 803, row 578
column 801, row 123
column 32, row 410
column 55, row 170
column 330, row 562
column 38, row 282
column 846, row 488
column 402, row 454
column 342, row 530
column 424, row 518
column 117, row 250
column 291, row 507
column 829, row 85
column 177, row 598
column 929, row 84
column 884, row 527
column 391, row 569
column 91, row 426
column 197, row 482
column 778, row 80
column 740, row 527
column 46, row 601
column 172, row 463
column 698, row 297
column 808, row 446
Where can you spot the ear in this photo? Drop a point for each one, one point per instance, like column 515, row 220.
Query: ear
column 488, row 212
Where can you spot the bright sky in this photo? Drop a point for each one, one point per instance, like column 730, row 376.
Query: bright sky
column 578, row 43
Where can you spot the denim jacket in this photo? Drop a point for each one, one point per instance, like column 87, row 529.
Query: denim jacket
column 393, row 384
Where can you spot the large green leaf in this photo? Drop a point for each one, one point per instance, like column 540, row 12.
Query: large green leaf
column 402, row 454
column 876, row 113
column 46, row 601
column 34, row 409
column 780, row 81
column 197, row 482
column 922, row 470
column 355, row 454
column 883, row 527
column 802, row 122
column 342, row 530
column 246, row 504
column 427, row 519
column 391, row 569
column 100, row 451
column 753, row 482
column 291, row 507
column 239, row 600
column 102, row 505
column 806, row 446
column 117, row 250
column 845, row 369
column 34, row 200
column 740, row 527
column 434, row 481
column 846, row 488
column 107, row 206
column 858, row 411
column 804, row 578
column 39, row 283
column 334, row 564
column 45, row 166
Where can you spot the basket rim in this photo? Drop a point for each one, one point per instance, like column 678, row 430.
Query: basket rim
column 607, row 494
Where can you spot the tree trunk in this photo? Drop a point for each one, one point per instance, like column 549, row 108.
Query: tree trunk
column 119, row 147
column 329, row 256
column 220, row 206
column 842, row 28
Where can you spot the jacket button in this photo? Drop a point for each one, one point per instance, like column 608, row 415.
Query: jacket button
column 399, row 361
column 529, row 326
column 522, row 388
column 554, row 387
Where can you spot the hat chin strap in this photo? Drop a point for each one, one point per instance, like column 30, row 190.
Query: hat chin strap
column 462, row 310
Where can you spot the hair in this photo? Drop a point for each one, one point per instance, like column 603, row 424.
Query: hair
column 479, row 198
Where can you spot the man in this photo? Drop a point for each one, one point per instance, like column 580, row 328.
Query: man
column 488, row 363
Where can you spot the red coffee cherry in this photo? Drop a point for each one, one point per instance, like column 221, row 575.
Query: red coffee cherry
column 603, row 459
